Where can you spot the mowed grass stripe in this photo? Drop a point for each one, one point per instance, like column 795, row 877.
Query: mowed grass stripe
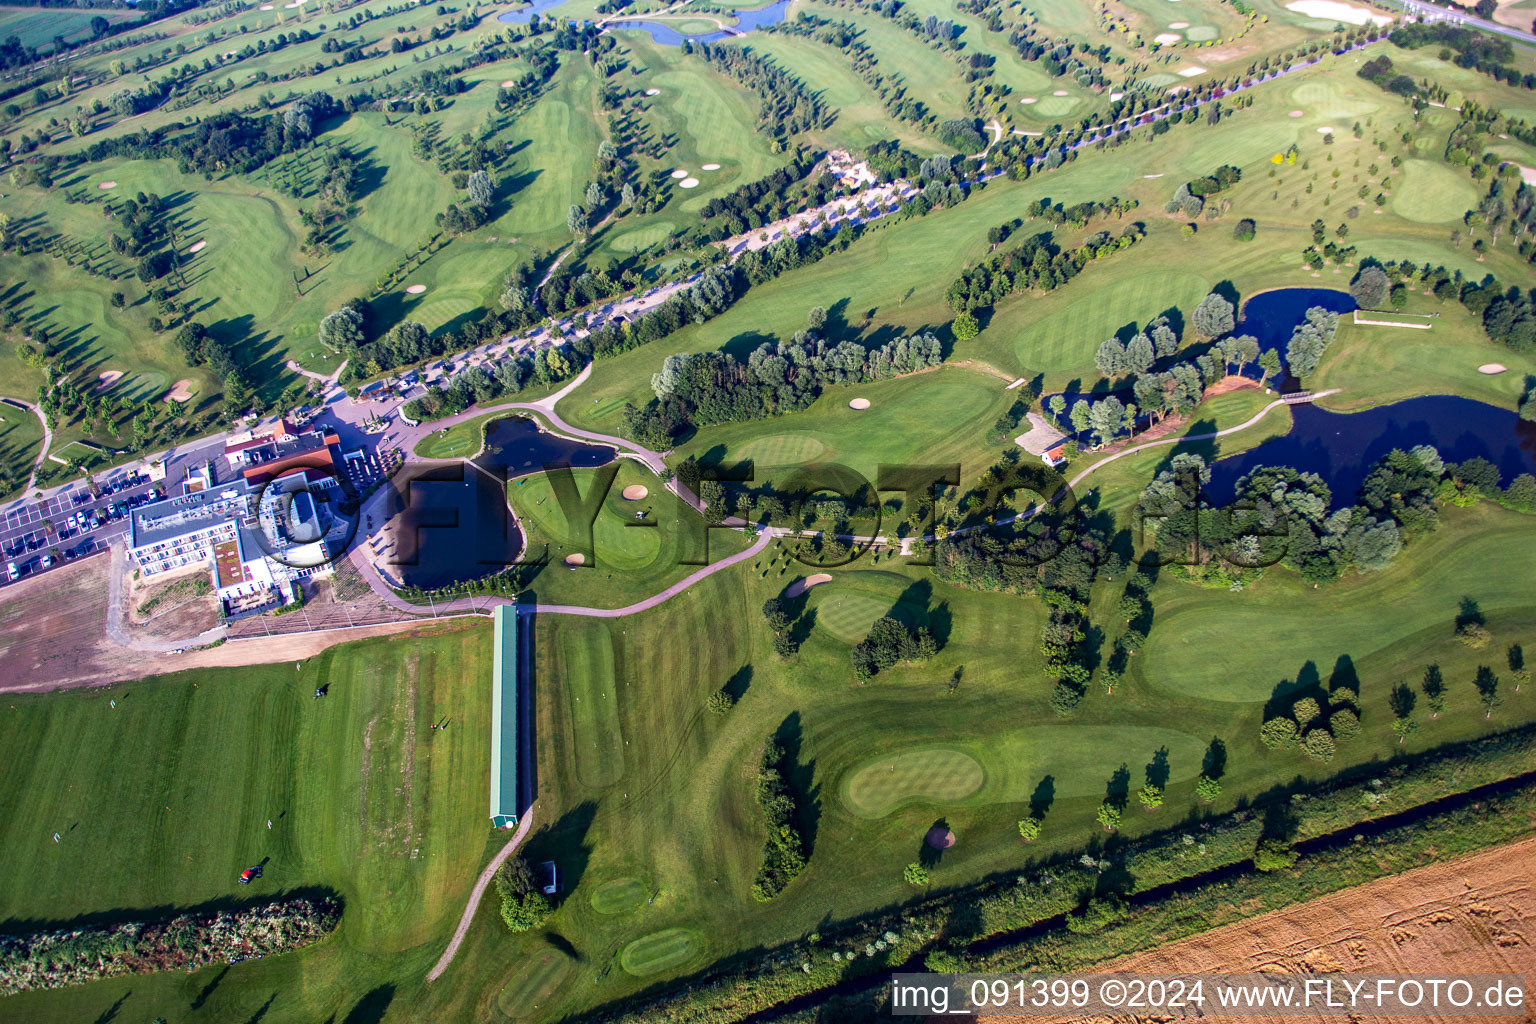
column 617, row 896
column 594, row 702
column 933, row 774
column 661, row 951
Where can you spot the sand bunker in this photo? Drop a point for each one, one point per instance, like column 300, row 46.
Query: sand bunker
column 679, row 174
column 1164, row 38
column 508, row 84
column 688, row 183
column 1029, row 99
column 1332, row 10
column 1527, row 174
column 711, row 167
column 1325, row 130
column 107, row 378
column 197, row 247
column 799, row 587
column 415, row 289
column 181, row 392
column 1192, row 71
column 266, row 7
column 939, row 838
column 635, row 492
column 576, row 558
column 1295, row 113
column 859, row 403
column 1059, row 92
column 1179, row 24
column 107, row 184
column 1492, row 368
column 653, row 92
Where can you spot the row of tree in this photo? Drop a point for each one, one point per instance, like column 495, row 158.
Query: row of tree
column 1038, row 263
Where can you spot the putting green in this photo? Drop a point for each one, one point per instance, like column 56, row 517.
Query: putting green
column 534, row 983
column 1056, row 106
column 1432, row 193
column 1327, row 98
column 618, row 896
column 587, row 671
column 1200, row 33
column 1161, row 78
column 782, row 450
column 642, row 237
column 660, row 951
column 929, row 775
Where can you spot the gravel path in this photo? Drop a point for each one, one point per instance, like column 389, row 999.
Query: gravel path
column 478, row 892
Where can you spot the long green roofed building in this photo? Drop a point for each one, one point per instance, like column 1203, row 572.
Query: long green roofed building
column 504, row 719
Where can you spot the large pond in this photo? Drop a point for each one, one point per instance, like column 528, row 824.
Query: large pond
column 666, row 35
column 1341, row 448
column 1271, row 316
column 451, row 523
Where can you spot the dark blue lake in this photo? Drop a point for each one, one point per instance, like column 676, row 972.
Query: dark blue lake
column 451, row 523
column 1271, row 316
column 1342, row 448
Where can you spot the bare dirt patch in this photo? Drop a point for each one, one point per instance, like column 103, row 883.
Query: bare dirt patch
column 1467, row 915
column 174, row 608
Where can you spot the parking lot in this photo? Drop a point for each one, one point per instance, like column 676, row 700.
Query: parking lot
column 73, row 523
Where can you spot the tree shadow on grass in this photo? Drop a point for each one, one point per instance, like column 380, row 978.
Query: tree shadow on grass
column 1117, row 792
column 1043, row 797
column 1158, row 769
column 928, row 855
column 565, row 843
column 801, row 778
column 371, row 1008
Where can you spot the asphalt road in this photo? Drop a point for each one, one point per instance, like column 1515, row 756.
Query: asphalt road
column 1430, row 12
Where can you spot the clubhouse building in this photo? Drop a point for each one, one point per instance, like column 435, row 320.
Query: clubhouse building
column 259, row 533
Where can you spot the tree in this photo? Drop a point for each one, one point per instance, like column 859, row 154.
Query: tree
column 480, row 189
column 1277, row 733
column 1304, row 711
column 1207, row 789
column 1058, row 405
column 342, row 329
column 915, row 874
column 1434, row 690
column 1487, row 690
column 1106, row 417
column 1029, row 829
column 1269, row 362
column 1371, row 288
column 1214, row 316
column 1319, row 745
column 576, row 220
column 1079, row 415
column 1246, row 230
column 721, row 701
column 594, row 196
column 523, row 904
column 237, row 394
column 1151, row 796
column 1344, row 724
column 1273, row 854
column 1108, row 816
column 817, row 317
column 964, row 327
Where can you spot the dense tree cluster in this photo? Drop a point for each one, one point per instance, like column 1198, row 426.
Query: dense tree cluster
column 225, row 142
column 1056, row 555
column 788, row 107
column 1190, row 197
column 703, row 388
column 889, row 642
column 1481, row 51
column 540, row 368
column 1282, row 516
column 1038, row 263
column 1380, row 71
column 784, row 848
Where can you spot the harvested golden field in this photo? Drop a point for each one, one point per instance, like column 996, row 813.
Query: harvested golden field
column 1477, row 913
